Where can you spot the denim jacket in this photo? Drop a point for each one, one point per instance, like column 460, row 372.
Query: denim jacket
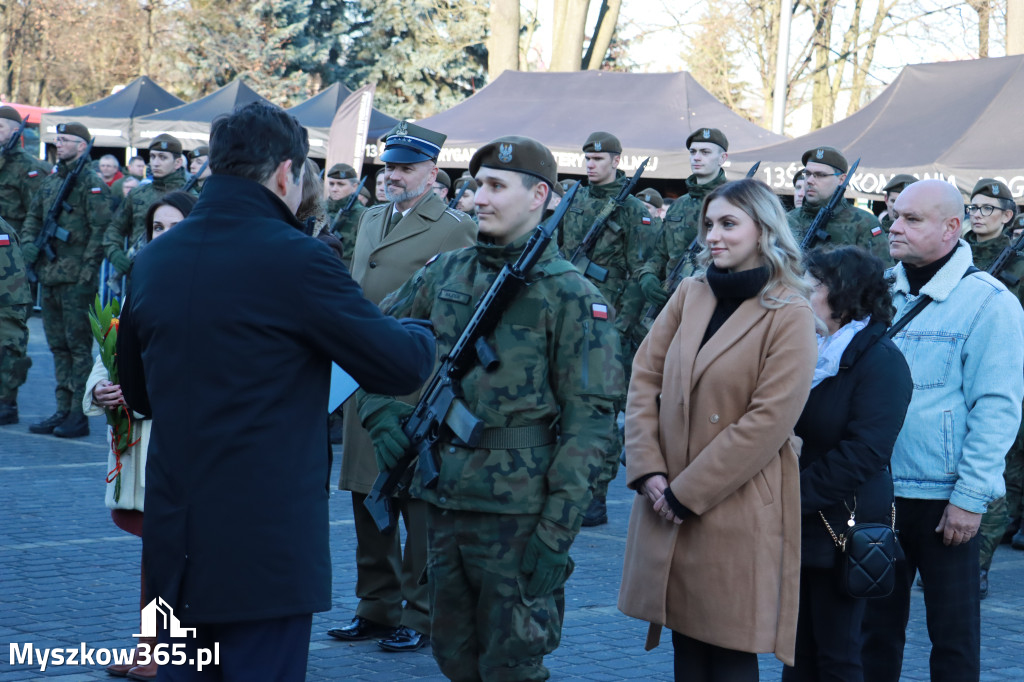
column 966, row 356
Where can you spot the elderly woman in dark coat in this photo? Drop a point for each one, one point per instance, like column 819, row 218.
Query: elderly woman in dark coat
column 859, row 397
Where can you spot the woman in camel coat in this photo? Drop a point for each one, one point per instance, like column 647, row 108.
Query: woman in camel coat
column 714, row 537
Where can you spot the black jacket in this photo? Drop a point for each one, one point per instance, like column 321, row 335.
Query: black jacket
column 849, row 427
column 229, row 332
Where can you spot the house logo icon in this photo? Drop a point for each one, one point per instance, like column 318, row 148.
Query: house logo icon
column 159, row 614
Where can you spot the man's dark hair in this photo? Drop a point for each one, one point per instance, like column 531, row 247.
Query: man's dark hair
column 251, row 142
column 856, row 283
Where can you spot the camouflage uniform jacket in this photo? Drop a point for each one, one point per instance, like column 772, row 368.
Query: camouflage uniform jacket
column 986, row 253
column 130, row 218
column 621, row 242
column 681, row 226
column 346, row 230
column 849, row 226
column 20, row 178
column 78, row 259
column 13, row 283
column 560, row 364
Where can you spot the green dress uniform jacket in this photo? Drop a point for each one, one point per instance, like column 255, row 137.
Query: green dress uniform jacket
column 130, row 218
column 21, row 175
column 849, row 226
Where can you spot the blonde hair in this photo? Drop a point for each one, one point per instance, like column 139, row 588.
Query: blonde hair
column 776, row 244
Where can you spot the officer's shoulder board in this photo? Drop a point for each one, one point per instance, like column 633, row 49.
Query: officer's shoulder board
column 455, row 213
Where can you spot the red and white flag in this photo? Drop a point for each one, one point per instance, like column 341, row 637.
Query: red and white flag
column 599, row 311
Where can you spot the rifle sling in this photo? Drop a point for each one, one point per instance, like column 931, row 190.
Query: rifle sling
column 517, row 438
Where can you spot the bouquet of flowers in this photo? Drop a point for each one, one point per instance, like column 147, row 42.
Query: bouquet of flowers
column 104, row 321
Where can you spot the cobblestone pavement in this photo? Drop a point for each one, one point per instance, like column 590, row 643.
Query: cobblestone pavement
column 68, row 575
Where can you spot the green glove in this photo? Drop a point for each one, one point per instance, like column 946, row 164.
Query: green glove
column 385, row 427
column 119, row 259
column 651, row 286
column 548, row 570
column 30, row 252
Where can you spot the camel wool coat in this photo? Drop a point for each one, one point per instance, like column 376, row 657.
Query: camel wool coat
column 718, row 422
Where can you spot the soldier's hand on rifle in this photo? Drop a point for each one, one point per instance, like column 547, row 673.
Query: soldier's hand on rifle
column 547, row 568
column 120, row 261
column 651, row 286
column 385, row 427
column 30, row 252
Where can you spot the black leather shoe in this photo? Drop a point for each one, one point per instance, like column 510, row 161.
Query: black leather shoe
column 8, row 413
column 596, row 514
column 984, row 583
column 359, row 629
column 50, row 423
column 75, row 426
column 404, row 639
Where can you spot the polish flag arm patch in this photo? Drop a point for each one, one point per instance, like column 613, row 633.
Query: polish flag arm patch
column 876, row 230
column 645, row 220
column 5, row 240
column 599, row 311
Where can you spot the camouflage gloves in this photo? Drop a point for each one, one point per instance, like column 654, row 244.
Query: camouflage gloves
column 547, row 569
column 120, row 261
column 651, row 286
column 385, row 427
column 30, row 252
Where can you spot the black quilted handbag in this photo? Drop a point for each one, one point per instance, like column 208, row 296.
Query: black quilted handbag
column 865, row 557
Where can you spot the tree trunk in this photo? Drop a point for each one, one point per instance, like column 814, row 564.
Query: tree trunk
column 864, row 66
column 607, row 20
column 984, row 10
column 1014, row 27
column 821, row 99
column 503, row 43
column 567, row 34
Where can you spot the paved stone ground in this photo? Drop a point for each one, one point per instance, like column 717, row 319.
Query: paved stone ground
column 68, row 575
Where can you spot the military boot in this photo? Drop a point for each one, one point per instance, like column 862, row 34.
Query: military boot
column 8, row 413
column 50, row 423
column 75, row 426
column 596, row 514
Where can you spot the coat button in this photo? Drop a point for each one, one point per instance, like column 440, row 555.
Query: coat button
column 451, row 450
column 373, row 264
column 714, row 419
column 442, row 500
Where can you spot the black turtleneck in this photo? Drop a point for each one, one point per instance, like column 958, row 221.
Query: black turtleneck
column 731, row 289
column 918, row 276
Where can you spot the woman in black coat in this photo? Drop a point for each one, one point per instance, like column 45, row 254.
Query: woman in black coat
column 861, row 390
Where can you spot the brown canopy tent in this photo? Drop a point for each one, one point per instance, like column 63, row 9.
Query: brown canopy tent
column 957, row 121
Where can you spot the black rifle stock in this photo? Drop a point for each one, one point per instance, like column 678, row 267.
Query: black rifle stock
column 440, row 409
column 196, row 176
column 1005, row 257
column 12, row 143
column 454, row 203
column 352, row 199
column 816, row 230
column 581, row 256
column 51, row 230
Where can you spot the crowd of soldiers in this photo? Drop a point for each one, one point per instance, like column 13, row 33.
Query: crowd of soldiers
column 408, row 252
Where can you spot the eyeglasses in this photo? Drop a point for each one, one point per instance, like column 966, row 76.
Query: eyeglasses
column 984, row 209
column 821, row 176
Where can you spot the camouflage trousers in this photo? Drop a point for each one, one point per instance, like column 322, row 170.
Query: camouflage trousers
column 69, row 335
column 482, row 624
column 1003, row 510
column 14, row 359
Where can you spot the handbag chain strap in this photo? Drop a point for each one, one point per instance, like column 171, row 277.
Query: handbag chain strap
column 841, row 544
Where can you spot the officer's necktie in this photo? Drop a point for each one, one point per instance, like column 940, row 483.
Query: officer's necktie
column 396, row 217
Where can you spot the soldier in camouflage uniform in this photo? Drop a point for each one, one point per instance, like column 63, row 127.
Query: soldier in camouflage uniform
column 825, row 170
column 129, row 223
column 20, row 177
column 989, row 235
column 619, row 250
column 342, row 181
column 504, row 515
column 892, row 189
column 196, row 158
column 69, row 283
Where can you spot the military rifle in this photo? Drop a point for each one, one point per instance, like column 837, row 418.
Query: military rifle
column 440, row 409
column 12, row 143
column 581, row 256
column 816, row 230
column 352, row 199
column 1006, row 256
column 196, row 176
column 454, row 203
column 51, row 230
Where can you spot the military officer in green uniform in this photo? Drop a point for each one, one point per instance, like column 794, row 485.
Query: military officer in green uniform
column 196, row 158
column 342, row 181
column 504, row 514
column 892, row 189
column 393, row 241
column 991, row 213
column 129, row 222
column 69, row 282
column 20, row 177
column 825, row 170
column 655, row 205
column 618, row 251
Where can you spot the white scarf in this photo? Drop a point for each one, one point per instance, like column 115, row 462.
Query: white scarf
column 831, row 349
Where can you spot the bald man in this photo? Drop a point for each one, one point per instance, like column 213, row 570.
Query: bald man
column 963, row 346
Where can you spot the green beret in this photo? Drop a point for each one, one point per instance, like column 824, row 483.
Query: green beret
column 443, row 178
column 466, row 180
column 76, row 129
column 830, row 156
column 990, row 187
column 799, row 175
column 652, row 197
column 10, row 113
column 558, row 189
column 898, row 183
column 165, row 143
column 342, row 171
column 602, row 142
column 566, row 184
column 201, row 150
column 708, row 135
column 410, row 143
column 519, row 154
column 365, row 192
